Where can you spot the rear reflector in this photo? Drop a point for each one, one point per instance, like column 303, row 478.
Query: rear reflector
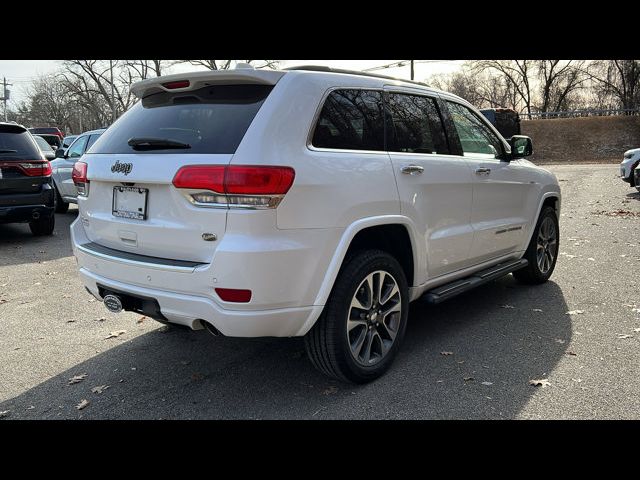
column 176, row 84
column 234, row 295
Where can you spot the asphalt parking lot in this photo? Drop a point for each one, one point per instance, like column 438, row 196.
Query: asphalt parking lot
column 497, row 338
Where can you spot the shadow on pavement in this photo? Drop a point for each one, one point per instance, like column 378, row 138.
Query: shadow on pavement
column 18, row 245
column 189, row 375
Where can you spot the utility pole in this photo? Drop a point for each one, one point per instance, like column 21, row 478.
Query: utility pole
column 113, row 103
column 411, row 69
column 5, row 95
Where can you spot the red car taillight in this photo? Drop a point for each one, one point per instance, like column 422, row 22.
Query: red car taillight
column 35, row 169
column 79, row 176
column 235, row 186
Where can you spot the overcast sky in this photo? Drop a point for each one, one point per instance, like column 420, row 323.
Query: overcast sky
column 21, row 72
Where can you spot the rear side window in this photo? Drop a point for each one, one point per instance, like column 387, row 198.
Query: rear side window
column 351, row 120
column 211, row 119
column 18, row 146
column 416, row 125
column 92, row 140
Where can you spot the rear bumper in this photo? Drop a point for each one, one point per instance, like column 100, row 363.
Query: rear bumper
column 24, row 213
column 191, row 310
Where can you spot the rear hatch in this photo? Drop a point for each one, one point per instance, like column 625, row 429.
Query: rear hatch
column 132, row 204
column 21, row 165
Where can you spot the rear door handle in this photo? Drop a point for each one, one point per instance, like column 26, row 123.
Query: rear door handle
column 483, row 171
column 412, row 170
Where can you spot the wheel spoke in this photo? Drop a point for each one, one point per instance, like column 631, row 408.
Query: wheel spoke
column 367, row 348
column 356, row 348
column 382, row 347
column 356, row 303
column 392, row 291
column 351, row 324
column 393, row 308
column 391, row 333
column 379, row 276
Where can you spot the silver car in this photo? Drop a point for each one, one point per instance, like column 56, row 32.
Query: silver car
column 62, row 167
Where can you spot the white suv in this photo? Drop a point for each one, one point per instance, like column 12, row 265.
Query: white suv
column 307, row 202
column 628, row 165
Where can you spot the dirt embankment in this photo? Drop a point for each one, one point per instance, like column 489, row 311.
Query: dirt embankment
column 582, row 140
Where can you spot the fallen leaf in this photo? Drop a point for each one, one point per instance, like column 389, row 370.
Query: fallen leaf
column 70, row 321
column 77, row 379
column 31, row 407
column 591, row 259
column 636, row 330
column 37, row 283
column 446, row 353
column 469, row 379
column 115, row 334
column 487, row 383
column 141, row 319
column 439, row 381
column 537, row 310
column 573, row 354
column 460, row 362
column 574, row 312
column 2, row 300
column 82, row 404
column 559, row 340
column 4, row 413
column 543, row 382
column 185, row 362
column 66, row 296
column 91, row 300
column 163, row 329
column 102, row 319
column 624, row 335
column 507, row 306
column 331, row 390
column 51, row 273
column 99, row 389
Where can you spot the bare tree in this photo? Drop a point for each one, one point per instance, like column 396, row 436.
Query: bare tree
column 559, row 80
column 484, row 90
column 517, row 73
column 619, row 79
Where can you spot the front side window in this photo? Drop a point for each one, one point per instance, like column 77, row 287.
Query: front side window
column 475, row 136
column 351, row 120
column 416, row 125
column 77, row 148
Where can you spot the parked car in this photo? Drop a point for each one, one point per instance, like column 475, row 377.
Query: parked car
column 506, row 120
column 628, row 165
column 636, row 177
column 45, row 148
column 26, row 192
column 47, row 131
column 306, row 202
column 67, row 141
column 62, row 167
column 52, row 140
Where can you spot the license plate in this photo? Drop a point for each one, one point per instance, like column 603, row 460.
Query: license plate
column 130, row 202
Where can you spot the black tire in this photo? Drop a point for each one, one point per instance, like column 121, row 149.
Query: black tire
column 61, row 205
column 43, row 226
column 532, row 273
column 327, row 343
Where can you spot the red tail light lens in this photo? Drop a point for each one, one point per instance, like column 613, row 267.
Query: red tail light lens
column 206, row 177
column 238, row 186
column 36, row 169
column 79, row 173
column 253, row 180
column 234, row 295
column 176, row 84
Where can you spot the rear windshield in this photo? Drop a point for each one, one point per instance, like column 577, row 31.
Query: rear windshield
column 211, row 119
column 18, row 146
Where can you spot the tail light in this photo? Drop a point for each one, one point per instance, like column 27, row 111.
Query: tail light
column 79, row 176
column 235, row 186
column 36, row 169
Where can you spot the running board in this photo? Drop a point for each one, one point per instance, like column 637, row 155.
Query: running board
column 449, row 290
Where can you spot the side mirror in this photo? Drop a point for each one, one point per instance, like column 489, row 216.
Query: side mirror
column 49, row 156
column 521, row 146
column 60, row 153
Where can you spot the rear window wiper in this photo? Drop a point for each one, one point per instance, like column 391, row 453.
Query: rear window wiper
column 151, row 143
column 8, row 151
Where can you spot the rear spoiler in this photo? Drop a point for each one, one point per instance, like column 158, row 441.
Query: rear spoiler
column 11, row 128
column 196, row 80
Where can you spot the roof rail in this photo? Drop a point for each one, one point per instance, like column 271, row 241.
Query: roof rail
column 322, row 68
